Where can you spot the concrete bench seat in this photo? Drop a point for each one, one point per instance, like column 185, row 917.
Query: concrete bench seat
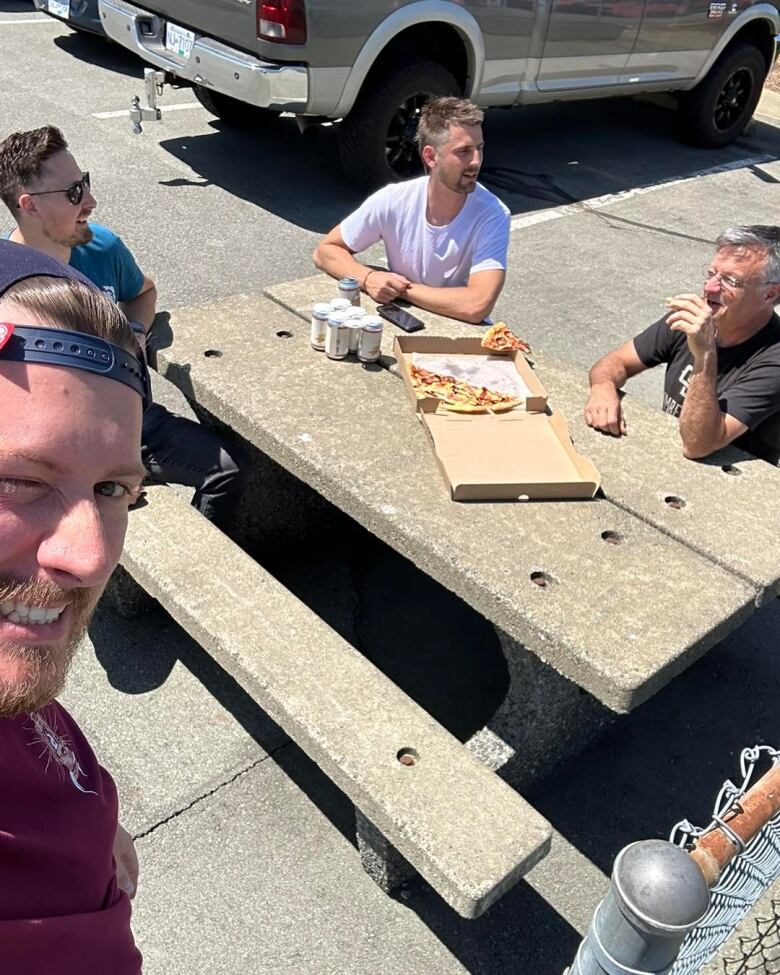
column 466, row 831
column 616, row 620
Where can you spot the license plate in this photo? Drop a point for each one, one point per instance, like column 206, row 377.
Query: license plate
column 59, row 9
column 178, row 40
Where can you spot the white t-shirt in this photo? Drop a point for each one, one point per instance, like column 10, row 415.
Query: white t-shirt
column 476, row 240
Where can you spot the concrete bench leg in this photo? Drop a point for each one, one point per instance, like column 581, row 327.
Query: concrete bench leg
column 380, row 859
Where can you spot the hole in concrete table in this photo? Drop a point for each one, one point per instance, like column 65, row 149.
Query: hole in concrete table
column 674, row 501
column 543, row 580
column 213, row 354
column 284, row 333
column 613, row 538
column 731, row 469
column 408, row 757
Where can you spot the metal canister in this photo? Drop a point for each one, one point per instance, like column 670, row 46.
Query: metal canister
column 340, row 304
column 370, row 344
column 337, row 337
column 319, row 325
column 350, row 288
column 355, row 326
column 355, row 311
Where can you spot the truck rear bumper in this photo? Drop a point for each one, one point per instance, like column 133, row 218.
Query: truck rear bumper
column 211, row 64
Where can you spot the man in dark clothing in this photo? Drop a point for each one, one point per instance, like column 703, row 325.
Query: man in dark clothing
column 71, row 397
column 722, row 354
column 51, row 200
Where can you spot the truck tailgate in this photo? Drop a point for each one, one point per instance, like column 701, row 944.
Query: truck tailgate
column 230, row 21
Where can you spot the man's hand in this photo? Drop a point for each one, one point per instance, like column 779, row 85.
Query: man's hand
column 693, row 316
column 385, row 286
column 603, row 410
column 126, row 861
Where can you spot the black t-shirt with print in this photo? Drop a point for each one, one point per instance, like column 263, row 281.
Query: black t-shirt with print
column 748, row 383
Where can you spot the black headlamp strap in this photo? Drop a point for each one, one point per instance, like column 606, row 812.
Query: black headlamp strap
column 75, row 350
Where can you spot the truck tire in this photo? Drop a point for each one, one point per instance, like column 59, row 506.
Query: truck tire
column 719, row 107
column 233, row 111
column 376, row 139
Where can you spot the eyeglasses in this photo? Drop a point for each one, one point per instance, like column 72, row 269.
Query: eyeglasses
column 730, row 283
column 74, row 192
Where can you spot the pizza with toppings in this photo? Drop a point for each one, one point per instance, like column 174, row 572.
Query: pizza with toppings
column 500, row 338
column 460, row 396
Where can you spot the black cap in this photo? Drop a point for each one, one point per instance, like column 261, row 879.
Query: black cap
column 18, row 262
column 57, row 347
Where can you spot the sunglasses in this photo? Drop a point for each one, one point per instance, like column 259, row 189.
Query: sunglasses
column 74, row 192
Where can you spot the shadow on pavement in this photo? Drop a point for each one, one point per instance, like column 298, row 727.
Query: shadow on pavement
column 536, row 157
column 100, row 52
column 16, row 6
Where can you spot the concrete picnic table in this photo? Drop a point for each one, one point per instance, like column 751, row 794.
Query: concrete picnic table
column 723, row 507
column 620, row 620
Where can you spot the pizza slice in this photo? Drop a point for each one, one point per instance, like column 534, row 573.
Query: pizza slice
column 459, row 396
column 500, row 338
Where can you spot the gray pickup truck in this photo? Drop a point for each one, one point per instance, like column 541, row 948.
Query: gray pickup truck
column 373, row 63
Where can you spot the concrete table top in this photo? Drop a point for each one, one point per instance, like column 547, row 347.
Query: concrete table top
column 731, row 499
column 620, row 621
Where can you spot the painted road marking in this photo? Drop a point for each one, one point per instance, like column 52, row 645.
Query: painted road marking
column 165, row 110
column 30, row 20
column 523, row 220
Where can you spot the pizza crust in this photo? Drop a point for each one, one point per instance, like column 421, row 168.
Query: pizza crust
column 501, row 407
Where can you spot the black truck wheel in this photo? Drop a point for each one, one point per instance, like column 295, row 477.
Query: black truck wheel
column 233, row 111
column 376, row 139
column 719, row 107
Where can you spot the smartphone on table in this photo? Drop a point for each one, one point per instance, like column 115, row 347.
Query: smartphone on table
column 400, row 317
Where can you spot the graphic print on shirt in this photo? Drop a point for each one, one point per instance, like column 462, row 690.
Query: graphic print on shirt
column 673, row 405
column 57, row 748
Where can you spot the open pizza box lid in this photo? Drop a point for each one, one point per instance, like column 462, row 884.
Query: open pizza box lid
column 518, row 455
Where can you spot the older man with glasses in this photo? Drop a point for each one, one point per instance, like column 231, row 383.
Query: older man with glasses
column 721, row 350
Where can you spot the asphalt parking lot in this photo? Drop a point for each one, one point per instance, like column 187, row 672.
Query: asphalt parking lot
column 247, row 856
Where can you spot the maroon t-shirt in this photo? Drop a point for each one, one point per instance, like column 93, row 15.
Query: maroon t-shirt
column 60, row 907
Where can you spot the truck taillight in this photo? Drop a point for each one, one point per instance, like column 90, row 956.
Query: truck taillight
column 283, row 21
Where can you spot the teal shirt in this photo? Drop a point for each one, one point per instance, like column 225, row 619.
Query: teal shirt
column 108, row 263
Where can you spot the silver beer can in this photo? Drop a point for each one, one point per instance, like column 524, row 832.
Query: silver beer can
column 337, row 337
column 350, row 288
column 370, row 345
column 355, row 311
column 319, row 325
column 355, row 328
column 340, row 304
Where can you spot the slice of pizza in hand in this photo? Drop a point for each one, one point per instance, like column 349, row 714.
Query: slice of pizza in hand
column 500, row 338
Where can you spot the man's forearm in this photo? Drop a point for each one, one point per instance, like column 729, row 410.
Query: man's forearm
column 142, row 308
column 702, row 423
column 339, row 263
column 611, row 370
column 460, row 303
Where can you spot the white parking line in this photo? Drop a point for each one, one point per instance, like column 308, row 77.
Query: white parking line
column 165, row 110
column 28, row 20
column 523, row 220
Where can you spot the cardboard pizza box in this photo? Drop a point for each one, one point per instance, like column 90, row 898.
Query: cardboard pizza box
column 407, row 345
column 518, row 455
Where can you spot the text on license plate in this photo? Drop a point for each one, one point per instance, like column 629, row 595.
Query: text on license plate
column 178, row 40
column 59, row 9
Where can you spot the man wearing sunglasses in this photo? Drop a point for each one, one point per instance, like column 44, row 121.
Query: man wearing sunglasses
column 51, row 201
column 721, row 350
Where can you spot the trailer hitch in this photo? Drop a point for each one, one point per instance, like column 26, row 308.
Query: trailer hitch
column 154, row 84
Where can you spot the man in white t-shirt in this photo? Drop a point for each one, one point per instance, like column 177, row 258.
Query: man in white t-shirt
column 445, row 235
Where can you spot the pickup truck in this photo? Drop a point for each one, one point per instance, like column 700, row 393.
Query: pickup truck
column 373, row 63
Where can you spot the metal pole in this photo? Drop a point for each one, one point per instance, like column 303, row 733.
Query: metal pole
column 656, row 896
